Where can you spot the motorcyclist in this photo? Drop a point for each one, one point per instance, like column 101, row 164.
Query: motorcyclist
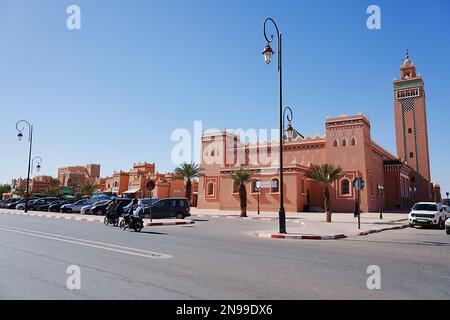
column 112, row 208
column 139, row 211
column 133, row 207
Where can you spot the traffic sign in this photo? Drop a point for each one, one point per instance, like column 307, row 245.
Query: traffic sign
column 150, row 185
column 358, row 183
column 266, row 184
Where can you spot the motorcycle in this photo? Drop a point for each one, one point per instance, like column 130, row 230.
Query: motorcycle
column 111, row 218
column 130, row 223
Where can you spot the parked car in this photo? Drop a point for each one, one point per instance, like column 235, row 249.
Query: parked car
column 87, row 208
column 428, row 214
column 56, row 205
column 76, row 206
column 13, row 204
column 44, row 207
column 100, row 208
column 21, row 206
column 9, row 201
column 447, row 226
column 39, row 202
column 169, row 208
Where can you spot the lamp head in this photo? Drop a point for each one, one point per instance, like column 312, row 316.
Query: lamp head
column 268, row 53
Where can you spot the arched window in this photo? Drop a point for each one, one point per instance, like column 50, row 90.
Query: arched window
column 210, row 189
column 335, row 143
column 353, row 142
column 212, row 153
column 302, row 186
column 344, row 142
column 236, row 186
column 275, row 187
column 345, row 187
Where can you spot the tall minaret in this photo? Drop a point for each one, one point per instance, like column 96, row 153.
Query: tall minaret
column 411, row 119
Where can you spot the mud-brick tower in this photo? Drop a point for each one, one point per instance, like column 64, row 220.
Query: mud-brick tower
column 411, row 127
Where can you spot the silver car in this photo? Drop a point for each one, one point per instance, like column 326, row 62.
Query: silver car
column 87, row 208
column 76, row 207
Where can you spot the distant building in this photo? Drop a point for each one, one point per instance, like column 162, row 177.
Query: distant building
column 38, row 185
column 77, row 175
column 132, row 184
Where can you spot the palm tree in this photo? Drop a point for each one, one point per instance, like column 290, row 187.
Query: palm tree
column 325, row 175
column 53, row 188
column 5, row 188
column 20, row 191
column 188, row 171
column 242, row 176
column 88, row 188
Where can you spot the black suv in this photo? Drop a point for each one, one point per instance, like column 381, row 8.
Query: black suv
column 169, row 208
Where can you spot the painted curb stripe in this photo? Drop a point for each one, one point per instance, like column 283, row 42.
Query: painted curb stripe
column 326, row 237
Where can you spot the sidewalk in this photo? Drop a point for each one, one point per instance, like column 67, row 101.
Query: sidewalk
column 88, row 218
column 297, row 216
column 312, row 225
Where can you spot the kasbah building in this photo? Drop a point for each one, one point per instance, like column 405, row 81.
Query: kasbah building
column 347, row 143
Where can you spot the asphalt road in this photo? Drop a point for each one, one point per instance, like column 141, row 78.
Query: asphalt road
column 215, row 259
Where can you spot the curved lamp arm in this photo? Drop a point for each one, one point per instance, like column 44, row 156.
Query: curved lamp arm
column 271, row 38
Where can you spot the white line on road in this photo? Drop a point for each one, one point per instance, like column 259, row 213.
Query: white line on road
column 88, row 243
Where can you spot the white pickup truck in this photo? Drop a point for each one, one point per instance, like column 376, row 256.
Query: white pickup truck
column 428, row 214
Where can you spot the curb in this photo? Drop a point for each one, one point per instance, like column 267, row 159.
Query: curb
column 300, row 236
column 323, row 237
column 169, row 223
column 93, row 219
column 363, row 233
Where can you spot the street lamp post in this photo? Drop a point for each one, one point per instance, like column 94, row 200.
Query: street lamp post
column 268, row 53
column 20, row 126
column 380, row 195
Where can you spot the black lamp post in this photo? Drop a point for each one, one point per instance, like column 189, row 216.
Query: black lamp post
column 20, row 126
column 268, row 53
column 380, row 195
column 258, row 189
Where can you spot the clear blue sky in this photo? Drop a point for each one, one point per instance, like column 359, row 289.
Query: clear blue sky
column 113, row 92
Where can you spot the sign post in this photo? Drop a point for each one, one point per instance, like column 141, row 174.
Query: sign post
column 358, row 184
column 150, row 185
column 258, row 189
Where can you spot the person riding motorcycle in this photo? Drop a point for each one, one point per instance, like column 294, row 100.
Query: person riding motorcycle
column 127, row 217
column 139, row 211
column 111, row 210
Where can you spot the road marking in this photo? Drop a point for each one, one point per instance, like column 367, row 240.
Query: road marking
column 88, row 243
